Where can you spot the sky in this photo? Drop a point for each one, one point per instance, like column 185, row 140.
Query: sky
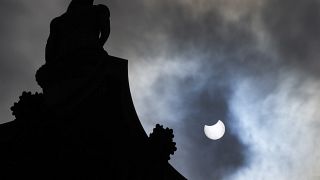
column 254, row 64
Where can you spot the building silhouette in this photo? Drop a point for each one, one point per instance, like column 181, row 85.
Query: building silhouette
column 83, row 125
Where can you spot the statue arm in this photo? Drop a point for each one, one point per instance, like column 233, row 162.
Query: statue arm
column 51, row 47
column 104, row 23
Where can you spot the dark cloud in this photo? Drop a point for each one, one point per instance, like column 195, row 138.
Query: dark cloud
column 294, row 27
column 24, row 28
column 10, row 69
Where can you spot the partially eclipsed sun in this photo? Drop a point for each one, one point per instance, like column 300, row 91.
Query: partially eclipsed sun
column 215, row 131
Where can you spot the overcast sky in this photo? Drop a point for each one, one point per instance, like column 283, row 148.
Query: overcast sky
column 252, row 63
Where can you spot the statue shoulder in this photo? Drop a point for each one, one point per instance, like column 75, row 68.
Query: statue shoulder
column 55, row 22
column 103, row 10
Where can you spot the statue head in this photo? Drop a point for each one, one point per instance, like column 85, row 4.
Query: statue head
column 79, row 3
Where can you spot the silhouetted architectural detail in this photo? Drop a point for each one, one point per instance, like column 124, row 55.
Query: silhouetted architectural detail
column 161, row 140
column 28, row 106
column 83, row 125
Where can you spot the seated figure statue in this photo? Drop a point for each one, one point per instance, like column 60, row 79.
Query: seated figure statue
column 74, row 48
column 87, row 93
column 88, row 110
column 83, row 27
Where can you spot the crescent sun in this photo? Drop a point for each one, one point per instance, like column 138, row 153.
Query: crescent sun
column 215, row 131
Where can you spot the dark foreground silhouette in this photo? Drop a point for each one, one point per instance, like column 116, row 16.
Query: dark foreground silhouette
column 83, row 125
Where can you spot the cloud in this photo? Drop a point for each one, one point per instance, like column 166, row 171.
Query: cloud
column 24, row 30
column 184, row 81
column 208, row 57
column 294, row 26
column 280, row 128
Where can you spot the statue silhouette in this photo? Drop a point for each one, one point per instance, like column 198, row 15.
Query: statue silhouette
column 83, row 27
column 83, row 125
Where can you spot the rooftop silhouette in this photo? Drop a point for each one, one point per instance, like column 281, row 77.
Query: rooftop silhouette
column 83, row 125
